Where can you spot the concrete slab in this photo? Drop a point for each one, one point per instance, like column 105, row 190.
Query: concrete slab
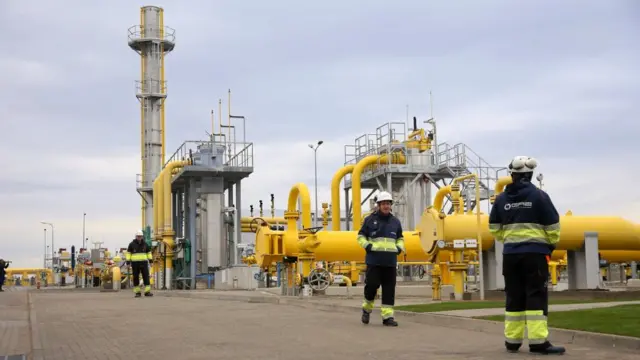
column 14, row 324
column 84, row 325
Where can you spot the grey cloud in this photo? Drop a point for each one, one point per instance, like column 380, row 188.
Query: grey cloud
column 311, row 70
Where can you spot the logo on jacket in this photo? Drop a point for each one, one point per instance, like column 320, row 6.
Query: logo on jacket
column 518, row 205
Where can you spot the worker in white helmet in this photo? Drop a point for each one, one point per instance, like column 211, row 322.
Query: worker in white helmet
column 381, row 237
column 525, row 220
column 139, row 256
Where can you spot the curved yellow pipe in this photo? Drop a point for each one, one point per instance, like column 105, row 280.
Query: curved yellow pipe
column 335, row 195
column 438, row 200
column 356, row 178
column 502, row 182
column 299, row 190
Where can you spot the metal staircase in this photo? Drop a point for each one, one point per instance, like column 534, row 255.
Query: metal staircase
column 459, row 160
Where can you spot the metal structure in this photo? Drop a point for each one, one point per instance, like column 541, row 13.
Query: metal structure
column 208, row 229
column 152, row 41
column 411, row 182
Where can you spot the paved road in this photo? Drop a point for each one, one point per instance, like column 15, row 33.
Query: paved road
column 75, row 325
column 14, row 323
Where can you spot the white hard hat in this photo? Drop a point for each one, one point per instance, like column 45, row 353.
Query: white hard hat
column 139, row 233
column 522, row 164
column 384, row 196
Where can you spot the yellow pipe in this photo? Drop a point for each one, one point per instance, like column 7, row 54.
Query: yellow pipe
column 501, row 184
column 356, row 178
column 271, row 220
column 612, row 256
column 332, row 246
column 168, row 233
column 158, row 206
column 299, row 190
column 335, row 195
column 614, row 233
column 438, row 200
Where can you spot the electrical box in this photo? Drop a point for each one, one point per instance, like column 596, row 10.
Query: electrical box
column 209, row 155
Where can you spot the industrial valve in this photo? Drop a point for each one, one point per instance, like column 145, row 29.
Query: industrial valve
column 319, row 279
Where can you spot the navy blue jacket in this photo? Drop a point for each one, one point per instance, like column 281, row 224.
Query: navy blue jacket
column 524, row 218
column 377, row 227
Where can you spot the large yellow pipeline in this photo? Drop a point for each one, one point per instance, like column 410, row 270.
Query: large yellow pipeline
column 612, row 256
column 271, row 246
column 614, row 233
column 335, row 195
column 356, row 178
column 168, row 234
column 298, row 190
column 270, row 220
column 24, row 272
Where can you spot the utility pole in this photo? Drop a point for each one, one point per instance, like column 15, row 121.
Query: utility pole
column 45, row 248
column 315, row 165
column 84, row 220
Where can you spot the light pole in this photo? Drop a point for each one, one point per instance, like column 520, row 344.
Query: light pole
column 52, row 243
column 84, row 221
column 315, row 166
column 45, row 248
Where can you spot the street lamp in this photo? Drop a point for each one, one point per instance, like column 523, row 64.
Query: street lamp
column 45, row 248
column 84, row 220
column 52, row 243
column 315, row 165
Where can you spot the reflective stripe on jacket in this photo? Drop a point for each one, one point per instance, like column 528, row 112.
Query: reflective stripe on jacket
column 384, row 234
column 138, row 251
column 525, row 220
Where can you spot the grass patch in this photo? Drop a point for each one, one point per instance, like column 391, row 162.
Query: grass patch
column 470, row 305
column 617, row 320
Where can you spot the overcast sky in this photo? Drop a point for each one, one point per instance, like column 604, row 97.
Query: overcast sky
column 557, row 80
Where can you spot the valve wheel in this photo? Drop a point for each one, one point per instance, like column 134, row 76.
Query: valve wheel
column 319, row 279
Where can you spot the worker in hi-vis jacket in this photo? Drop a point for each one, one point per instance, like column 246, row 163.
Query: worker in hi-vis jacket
column 524, row 219
column 139, row 256
column 381, row 237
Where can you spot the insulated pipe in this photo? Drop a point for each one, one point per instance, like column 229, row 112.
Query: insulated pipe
column 335, row 195
column 396, row 158
column 301, row 191
column 614, row 233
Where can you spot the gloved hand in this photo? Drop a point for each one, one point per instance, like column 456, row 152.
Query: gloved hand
column 128, row 263
column 368, row 247
column 399, row 250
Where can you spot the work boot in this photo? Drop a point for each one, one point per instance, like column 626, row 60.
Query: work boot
column 365, row 317
column 512, row 348
column 548, row 349
column 148, row 294
column 138, row 295
column 389, row 322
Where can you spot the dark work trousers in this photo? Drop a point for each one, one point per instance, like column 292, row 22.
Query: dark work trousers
column 140, row 267
column 526, row 279
column 377, row 276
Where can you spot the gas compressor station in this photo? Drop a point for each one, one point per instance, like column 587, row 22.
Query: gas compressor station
column 191, row 211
